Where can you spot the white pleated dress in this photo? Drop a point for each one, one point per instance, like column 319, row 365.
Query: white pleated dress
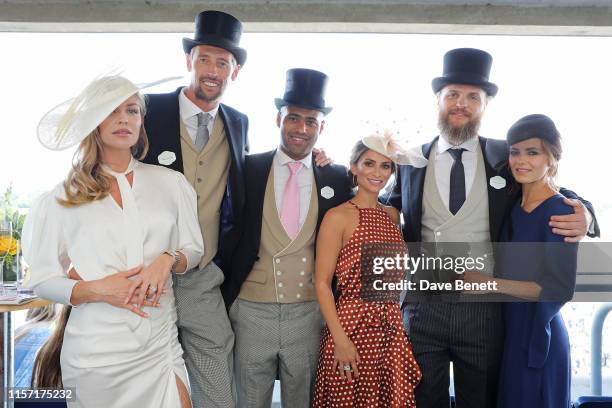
column 113, row 357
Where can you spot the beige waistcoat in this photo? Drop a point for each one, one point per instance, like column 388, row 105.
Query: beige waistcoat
column 207, row 172
column 471, row 223
column 284, row 271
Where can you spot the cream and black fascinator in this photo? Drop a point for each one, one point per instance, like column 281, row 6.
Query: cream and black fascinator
column 386, row 144
column 70, row 122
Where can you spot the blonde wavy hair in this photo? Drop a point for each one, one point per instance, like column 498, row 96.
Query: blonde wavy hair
column 553, row 151
column 87, row 181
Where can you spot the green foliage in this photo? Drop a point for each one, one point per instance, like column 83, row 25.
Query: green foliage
column 9, row 213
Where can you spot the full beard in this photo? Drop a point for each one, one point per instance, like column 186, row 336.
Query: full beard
column 458, row 135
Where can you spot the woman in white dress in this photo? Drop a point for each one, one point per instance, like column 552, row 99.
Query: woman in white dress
column 125, row 227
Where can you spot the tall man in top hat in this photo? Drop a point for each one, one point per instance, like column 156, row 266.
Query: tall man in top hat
column 462, row 196
column 192, row 132
column 270, row 292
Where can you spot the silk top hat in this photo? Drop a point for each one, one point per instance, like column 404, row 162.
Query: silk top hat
column 466, row 66
column 70, row 122
column 304, row 88
column 530, row 126
column 218, row 29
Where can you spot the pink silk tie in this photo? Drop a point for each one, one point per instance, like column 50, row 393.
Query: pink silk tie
column 290, row 210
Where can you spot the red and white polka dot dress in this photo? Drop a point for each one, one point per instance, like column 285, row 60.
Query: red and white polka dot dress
column 388, row 372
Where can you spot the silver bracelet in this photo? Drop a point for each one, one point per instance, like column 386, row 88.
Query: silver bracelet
column 176, row 257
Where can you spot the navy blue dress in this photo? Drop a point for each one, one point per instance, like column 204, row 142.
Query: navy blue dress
column 535, row 370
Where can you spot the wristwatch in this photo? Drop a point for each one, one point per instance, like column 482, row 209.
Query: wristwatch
column 176, row 257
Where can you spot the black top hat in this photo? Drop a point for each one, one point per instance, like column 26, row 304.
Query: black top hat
column 304, row 88
column 466, row 66
column 530, row 126
column 218, row 29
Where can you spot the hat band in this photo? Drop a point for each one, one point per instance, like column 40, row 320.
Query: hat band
column 217, row 40
column 466, row 76
column 317, row 103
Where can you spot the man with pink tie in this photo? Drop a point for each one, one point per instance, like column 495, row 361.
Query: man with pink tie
column 270, row 293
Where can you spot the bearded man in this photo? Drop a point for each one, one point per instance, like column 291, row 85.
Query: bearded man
column 463, row 196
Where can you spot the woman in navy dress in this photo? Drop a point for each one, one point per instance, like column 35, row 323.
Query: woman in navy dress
column 535, row 370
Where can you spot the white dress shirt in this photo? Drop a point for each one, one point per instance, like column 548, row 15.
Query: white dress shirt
column 304, row 179
column 189, row 114
column 444, row 162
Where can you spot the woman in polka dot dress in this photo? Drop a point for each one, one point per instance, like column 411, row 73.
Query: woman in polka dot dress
column 366, row 358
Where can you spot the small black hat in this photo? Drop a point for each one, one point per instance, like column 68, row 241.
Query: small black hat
column 530, row 126
column 218, row 29
column 466, row 66
column 304, row 88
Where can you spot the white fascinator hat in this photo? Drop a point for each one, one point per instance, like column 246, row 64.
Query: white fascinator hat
column 71, row 121
column 385, row 143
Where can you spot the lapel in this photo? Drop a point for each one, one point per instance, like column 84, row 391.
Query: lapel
column 322, row 181
column 163, row 129
column 270, row 212
column 259, row 178
column 233, row 132
column 412, row 191
column 500, row 200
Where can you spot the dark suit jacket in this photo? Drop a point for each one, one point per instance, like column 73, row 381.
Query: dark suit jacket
column 407, row 196
column 257, row 170
column 162, row 123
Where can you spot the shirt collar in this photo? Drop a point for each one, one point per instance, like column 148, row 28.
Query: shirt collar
column 470, row 145
column 283, row 159
column 133, row 164
column 189, row 109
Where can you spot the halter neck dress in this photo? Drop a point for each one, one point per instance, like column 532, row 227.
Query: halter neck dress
column 388, row 371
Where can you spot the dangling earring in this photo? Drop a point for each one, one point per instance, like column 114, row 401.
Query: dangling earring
column 354, row 180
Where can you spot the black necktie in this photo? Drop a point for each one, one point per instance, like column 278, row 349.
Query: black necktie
column 456, row 197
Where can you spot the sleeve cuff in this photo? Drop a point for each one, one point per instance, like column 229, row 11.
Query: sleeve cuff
column 591, row 221
column 192, row 257
column 57, row 289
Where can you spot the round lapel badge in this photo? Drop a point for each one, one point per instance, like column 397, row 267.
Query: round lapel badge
column 327, row 192
column 497, row 182
column 166, row 158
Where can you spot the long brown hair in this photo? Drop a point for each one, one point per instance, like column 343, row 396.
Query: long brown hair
column 47, row 372
column 86, row 181
column 35, row 317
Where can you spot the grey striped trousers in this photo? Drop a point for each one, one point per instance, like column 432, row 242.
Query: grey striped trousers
column 470, row 335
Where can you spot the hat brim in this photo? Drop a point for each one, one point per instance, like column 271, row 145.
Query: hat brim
column 281, row 102
column 440, row 82
column 68, row 123
column 239, row 53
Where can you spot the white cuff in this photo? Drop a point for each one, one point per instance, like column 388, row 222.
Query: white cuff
column 57, row 289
